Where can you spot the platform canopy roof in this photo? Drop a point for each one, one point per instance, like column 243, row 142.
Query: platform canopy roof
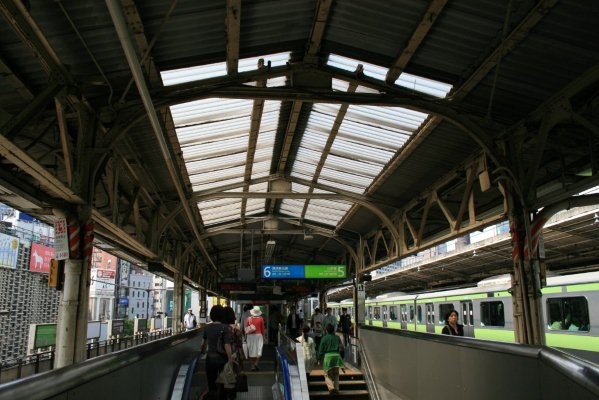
column 205, row 137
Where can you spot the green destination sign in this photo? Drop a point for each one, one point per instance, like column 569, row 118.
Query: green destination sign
column 324, row 271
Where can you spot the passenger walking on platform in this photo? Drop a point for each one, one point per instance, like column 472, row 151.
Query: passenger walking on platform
column 189, row 321
column 329, row 318
column 317, row 326
column 329, row 353
column 275, row 318
column 451, row 325
column 345, row 322
column 218, row 347
column 237, row 337
column 246, row 314
column 293, row 323
column 309, row 349
column 254, row 329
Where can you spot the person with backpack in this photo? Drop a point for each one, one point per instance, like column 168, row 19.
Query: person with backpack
column 218, row 347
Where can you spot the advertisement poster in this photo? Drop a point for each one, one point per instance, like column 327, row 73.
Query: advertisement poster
column 102, row 282
column 40, row 258
column 9, row 251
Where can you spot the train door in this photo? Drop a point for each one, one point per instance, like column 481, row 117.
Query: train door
column 385, row 316
column 467, row 318
column 403, row 312
column 430, row 317
column 369, row 315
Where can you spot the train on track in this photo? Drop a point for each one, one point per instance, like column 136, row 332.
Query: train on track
column 570, row 308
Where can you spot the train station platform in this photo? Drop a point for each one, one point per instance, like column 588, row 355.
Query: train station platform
column 382, row 364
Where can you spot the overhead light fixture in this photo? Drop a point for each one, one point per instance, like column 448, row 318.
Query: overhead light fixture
column 270, row 249
column 596, row 221
column 308, row 236
column 474, row 253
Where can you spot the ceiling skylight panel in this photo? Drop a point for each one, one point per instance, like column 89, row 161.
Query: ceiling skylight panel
column 292, row 207
column 190, row 74
column 351, row 171
column 210, row 110
column 372, row 135
column 345, row 178
column 396, row 118
column 207, row 165
column 299, row 188
column 254, row 206
column 343, row 186
column 424, row 85
column 227, row 210
column 214, row 216
column 217, row 149
column 211, row 132
column 277, row 82
column 216, row 203
column 251, row 64
column 201, row 187
column 326, row 211
column 347, row 165
column 302, row 169
column 413, row 82
column 217, row 175
column 349, row 64
column 356, row 151
column 340, row 85
column 201, row 72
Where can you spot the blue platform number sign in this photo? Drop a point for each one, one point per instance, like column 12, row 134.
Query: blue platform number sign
column 282, row 271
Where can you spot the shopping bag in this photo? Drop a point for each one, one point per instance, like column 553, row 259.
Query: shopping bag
column 251, row 328
column 241, row 384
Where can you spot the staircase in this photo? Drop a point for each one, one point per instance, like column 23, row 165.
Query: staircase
column 352, row 385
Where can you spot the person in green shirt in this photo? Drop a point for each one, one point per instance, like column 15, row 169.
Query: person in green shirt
column 329, row 353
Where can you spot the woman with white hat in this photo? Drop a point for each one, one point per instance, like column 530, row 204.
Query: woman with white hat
column 254, row 330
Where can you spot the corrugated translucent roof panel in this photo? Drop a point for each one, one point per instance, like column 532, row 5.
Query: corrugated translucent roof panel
column 416, row 83
column 266, row 139
column 213, row 135
column 294, row 207
column 367, row 139
column 219, row 210
column 200, row 72
column 255, row 206
column 327, row 211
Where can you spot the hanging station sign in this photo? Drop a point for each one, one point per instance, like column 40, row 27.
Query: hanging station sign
column 304, row 271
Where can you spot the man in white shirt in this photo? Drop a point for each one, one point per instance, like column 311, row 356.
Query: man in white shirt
column 317, row 326
column 190, row 320
column 329, row 318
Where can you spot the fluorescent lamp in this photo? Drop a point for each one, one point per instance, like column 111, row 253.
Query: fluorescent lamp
column 270, row 249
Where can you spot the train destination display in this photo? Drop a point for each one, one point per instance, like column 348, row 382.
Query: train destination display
column 303, row 271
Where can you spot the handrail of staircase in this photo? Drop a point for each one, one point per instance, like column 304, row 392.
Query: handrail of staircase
column 366, row 370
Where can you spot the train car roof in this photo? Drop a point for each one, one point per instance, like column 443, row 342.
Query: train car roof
column 586, row 277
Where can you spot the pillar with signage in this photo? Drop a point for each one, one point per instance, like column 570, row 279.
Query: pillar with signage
column 361, row 303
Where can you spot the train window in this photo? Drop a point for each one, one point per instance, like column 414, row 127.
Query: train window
column 444, row 310
column 492, row 313
column 430, row 313
column 568, row 313
column 377, row 313
column 411, row 313
column 385, row 318
column 393, row 313
column 404, row 313
column 369, row 312
column 419, row 314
